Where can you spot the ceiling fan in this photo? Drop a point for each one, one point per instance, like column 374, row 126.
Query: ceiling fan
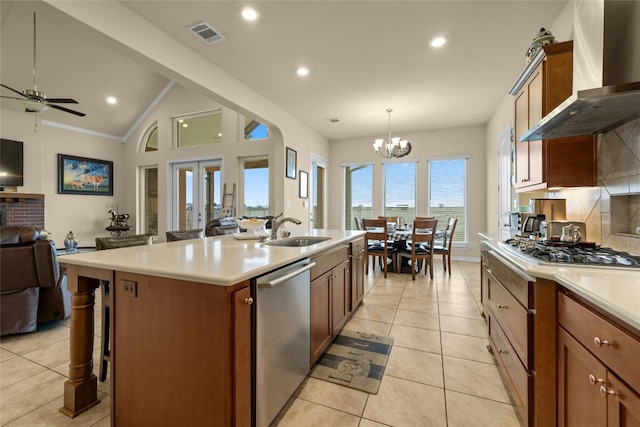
column 34, row 100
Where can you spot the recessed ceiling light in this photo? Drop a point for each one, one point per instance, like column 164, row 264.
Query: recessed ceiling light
column 302, row 71
column 249, row 13
column 185, row 125
column 438, row 42
column 112, row 100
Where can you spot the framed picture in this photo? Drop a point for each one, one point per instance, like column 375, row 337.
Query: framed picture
column 292, row 160
column 80, row 175
column 304, row 184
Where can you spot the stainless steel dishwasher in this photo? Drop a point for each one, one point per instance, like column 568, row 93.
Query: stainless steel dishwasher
column 282, row 338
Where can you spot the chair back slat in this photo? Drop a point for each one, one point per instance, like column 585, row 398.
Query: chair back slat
column 376, row 229
column 424, row 231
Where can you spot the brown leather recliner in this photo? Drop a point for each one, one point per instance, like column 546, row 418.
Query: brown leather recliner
column 32, row 290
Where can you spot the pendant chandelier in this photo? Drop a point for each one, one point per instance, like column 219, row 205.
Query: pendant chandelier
column 392, row 147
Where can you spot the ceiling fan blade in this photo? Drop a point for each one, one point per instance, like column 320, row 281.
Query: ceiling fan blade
column 11, row 97
column 66, row 110
column 13, row 90
column 62, row 100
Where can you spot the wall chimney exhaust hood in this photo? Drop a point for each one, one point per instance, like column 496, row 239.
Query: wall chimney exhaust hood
column 606, row 33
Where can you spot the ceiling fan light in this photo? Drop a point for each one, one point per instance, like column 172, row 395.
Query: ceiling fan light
column 34, row 106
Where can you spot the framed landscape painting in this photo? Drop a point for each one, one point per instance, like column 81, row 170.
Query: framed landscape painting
column 81, row 175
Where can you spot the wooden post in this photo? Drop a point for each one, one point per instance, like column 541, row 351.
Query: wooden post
column 81, row 389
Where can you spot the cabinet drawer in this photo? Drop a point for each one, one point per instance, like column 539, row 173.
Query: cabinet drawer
column 621, row 352
column 357, row 246
column 513, row 317
column 517, row 284
column 517, row 376
column 327, row 260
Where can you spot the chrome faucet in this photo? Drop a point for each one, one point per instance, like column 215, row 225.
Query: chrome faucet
column 277, row 224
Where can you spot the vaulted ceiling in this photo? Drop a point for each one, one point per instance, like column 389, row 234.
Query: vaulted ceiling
column 363, row 56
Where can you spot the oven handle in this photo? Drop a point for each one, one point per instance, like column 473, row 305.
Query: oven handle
column 275, row 282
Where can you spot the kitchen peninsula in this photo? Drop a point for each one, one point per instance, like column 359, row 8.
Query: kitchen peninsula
column 181, row 326
column 565, row 336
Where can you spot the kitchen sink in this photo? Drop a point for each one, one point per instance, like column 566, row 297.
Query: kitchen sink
column 296, row 242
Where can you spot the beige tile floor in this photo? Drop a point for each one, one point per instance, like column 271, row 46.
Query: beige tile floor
column 439, row 372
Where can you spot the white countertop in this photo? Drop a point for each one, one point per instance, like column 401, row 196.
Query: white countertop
column 616, row 291
column 220, row 260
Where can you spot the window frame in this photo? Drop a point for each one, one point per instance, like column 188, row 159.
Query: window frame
column 463, row 222
column 343, row 204
column 409, row 218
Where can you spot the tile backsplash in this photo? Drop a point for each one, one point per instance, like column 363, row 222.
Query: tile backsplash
column 612, row 209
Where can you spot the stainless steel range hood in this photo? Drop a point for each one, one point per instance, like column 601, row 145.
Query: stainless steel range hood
column 615, row 100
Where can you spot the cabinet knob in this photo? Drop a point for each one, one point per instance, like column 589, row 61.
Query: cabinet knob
column 593, row 380
column 599, row 343
column 248, row 301
column 604, row 392
column 501, row 351
column 502, row 306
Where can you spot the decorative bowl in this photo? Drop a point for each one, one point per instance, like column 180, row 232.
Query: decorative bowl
column 251, row 225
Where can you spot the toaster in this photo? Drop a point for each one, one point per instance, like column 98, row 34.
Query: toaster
column 554, row 228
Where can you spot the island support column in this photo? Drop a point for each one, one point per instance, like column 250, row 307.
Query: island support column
column 81, row 389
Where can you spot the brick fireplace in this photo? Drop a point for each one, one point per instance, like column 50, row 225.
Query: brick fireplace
column 21, row 208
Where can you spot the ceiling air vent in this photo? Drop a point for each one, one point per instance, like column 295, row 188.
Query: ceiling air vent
column 206, row 32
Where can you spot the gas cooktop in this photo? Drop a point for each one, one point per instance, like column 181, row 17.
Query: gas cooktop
column 572, row 254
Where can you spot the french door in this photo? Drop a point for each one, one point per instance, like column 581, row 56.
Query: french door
column 196, row 198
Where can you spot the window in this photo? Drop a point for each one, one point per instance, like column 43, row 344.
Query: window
column 256, row 187
column 198, row 130
column 149, row 207
column 151, row 142
column 448, row 194
column 400, row 190
column 253, row 130
column 358, row 193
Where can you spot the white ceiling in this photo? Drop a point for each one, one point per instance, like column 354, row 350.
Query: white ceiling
column 364, row 56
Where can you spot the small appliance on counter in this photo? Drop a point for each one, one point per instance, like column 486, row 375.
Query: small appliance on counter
column 550, row 230
column 552, row 209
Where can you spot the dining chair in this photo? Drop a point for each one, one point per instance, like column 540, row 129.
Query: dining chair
column 103, row 243
column 419, row 250
column 176, row 235
column 376, row 230
column 445, row 248
column 393, row 219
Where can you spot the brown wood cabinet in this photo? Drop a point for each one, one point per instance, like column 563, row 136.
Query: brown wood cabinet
column 357, row 273
column 598, row 370
column 337, row 287
column 340, row 296
column 521, row 321
column 558, row 162
column 330, row 298
column 180, row 325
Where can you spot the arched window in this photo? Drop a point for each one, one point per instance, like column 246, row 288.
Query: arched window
column 151, row 138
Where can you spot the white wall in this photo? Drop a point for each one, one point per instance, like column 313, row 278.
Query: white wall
column 426, row 145
column 86, row 215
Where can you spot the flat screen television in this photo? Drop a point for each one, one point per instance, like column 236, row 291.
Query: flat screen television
column 11, row 163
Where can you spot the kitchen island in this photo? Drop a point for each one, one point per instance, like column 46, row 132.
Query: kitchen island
column 565, row 336
column 181, row 326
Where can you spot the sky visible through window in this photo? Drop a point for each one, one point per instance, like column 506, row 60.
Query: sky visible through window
column 254, row 194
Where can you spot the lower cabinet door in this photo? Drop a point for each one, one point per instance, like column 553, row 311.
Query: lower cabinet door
column 623, row 404
column 357, row 280
column 340, row 297
column 580, row 376
column 321, row 327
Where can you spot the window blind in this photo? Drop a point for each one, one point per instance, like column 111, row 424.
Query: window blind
column 448, row 194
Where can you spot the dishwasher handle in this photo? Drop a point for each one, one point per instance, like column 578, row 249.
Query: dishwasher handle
column 278, row 280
